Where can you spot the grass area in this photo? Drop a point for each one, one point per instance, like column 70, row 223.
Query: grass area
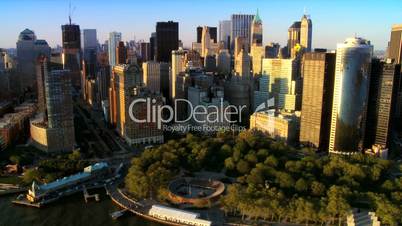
column 10, row 180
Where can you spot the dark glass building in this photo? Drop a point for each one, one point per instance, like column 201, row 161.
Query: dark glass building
column 71, row 38
column 167, row 39
column 384, row 83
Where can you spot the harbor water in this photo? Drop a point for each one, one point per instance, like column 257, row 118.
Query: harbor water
column 68, row 211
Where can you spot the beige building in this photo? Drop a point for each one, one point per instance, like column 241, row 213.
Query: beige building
column 257, row 53
column 242, row 64
column 152, row 75
column 284, row 127
column 178, row 66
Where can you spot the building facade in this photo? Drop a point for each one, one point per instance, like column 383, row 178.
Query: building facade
column 351, row 90
column 318, row 74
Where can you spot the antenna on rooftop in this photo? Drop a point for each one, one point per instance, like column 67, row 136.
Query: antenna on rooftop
column 70, row 12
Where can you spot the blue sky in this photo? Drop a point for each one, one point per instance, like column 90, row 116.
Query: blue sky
column 333, row 20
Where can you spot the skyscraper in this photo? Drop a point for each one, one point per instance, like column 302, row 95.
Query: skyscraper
column 384, row 83
column 178, row 66
column 72, row 52
column 281, row 73
column 224, row 33
column 153, row 72
column 318, row 74
column 212, row 31
column 241, row 27
column 90, row 44
column 395, row 44
column 306, row 33
column 55, row 133
column 242, row 64
column 121, row 53
column 28, row 49
column 351, row 90
column 256, row 30
column 293, row 38
column 114, row 39
column 257, row 50
column 167, row 40
column 152, row 46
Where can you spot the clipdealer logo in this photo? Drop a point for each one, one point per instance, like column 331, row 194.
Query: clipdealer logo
column 200, row 114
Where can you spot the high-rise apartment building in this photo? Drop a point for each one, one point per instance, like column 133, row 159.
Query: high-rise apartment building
column 114, row 39
column 241, row 27
column 318, row 72
column 167, row 40
column 351, row 90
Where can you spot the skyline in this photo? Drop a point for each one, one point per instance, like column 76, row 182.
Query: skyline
column 126, row 16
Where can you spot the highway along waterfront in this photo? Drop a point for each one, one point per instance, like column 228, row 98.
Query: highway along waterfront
column 68, row 211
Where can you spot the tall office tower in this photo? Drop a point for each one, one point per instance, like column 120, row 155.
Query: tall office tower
column 90, row 45
column 205, row 41
column 224, row 33
column 294, row 39
column 124, row 77
column 242, row 64
column 167, row 40
column 240, row 43
column 395, row 44
column 306, row 33
column 256, row 31
column 72, row 52
column 28, row 49
column 212, row 32
column 145, row 51
column 257, row 50
column 152, row 75
column 178, row 66
column 121, row 53
column 114, row 39
column 223, row 62
column 395, row 53
column 103, row 82
column 241, row 27
column 59, row 106
column 41, row 73
column 272, row 50
column 384, row 83
column 281, row 73
column 318, row 74
column 152, row 46
column 351, row 90
column 199, row 34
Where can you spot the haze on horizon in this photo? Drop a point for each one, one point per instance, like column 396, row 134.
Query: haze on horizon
column 333, row 21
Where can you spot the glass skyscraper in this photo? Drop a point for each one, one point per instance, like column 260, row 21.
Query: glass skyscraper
column 351, row 90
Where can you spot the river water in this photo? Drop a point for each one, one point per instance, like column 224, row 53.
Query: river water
column 69, row 211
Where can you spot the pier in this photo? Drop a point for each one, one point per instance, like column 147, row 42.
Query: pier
column 88, row 196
